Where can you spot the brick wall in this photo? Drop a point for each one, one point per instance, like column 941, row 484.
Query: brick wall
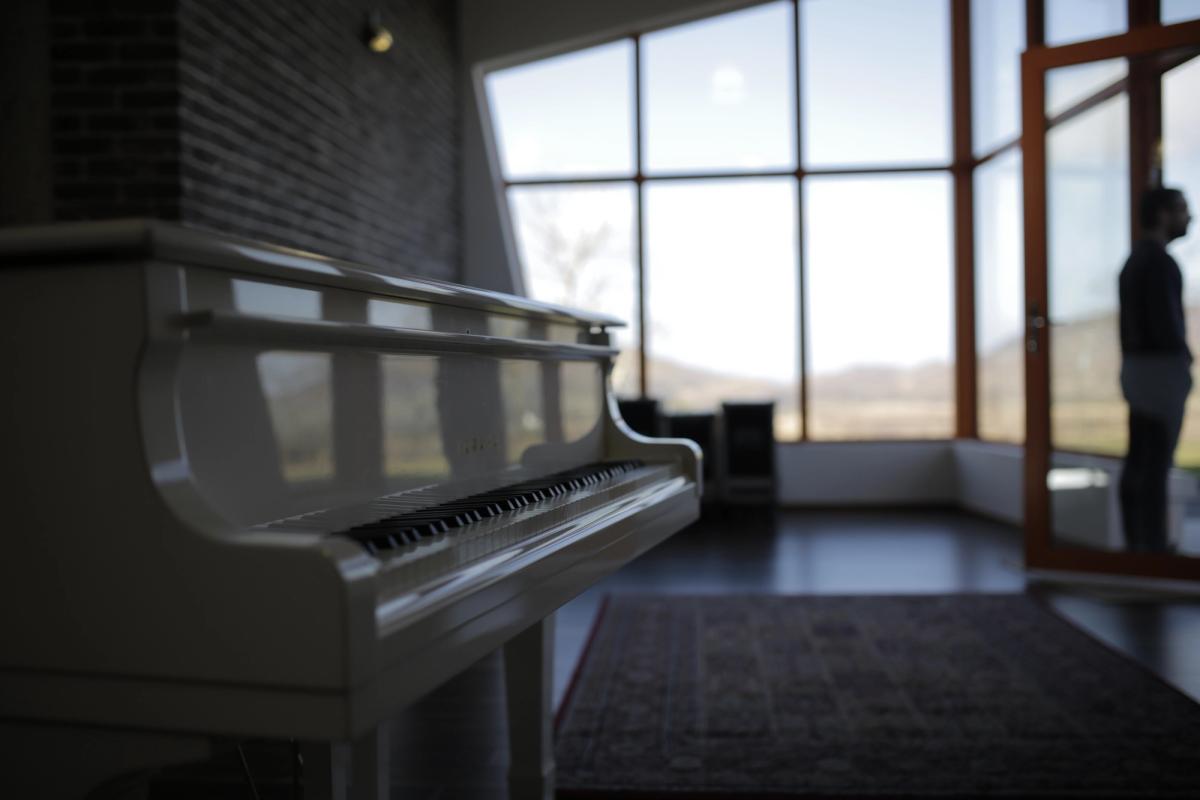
column 113, row 109
column 293, row 131
column 265, row 118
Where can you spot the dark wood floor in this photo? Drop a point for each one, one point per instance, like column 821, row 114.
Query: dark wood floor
column 453, row 743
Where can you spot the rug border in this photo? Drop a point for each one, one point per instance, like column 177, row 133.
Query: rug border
column 1046, row 608
column 561, row 712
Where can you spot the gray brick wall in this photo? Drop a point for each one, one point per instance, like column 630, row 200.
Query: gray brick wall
column 264, row 118
column 114, row 126
column 292, row 131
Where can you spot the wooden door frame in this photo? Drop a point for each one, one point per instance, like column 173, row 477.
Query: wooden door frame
column 1040, row 549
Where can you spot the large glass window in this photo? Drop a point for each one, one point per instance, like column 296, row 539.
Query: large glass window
column 546, row 126
column 1181, row 168
column 713, row 264
column 876, row 82
column 1179, row 11
column 721, row 280
column 997, row 39
column 718, row 94
column 578, row 247
column 1075, row 20
column 999, row 300
column 1068, row 87
column 879, row 310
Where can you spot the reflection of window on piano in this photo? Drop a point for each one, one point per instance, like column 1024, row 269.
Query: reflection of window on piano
column 273, row 299
column 299, row 396
column 397, row 314
column 509, row 327
column 412, row 438
column 524, row 418
column 581, row 393
column 517, row 328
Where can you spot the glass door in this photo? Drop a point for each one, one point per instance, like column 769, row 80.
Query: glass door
column 1108, row 490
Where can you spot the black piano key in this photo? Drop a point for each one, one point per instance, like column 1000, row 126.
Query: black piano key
column 452, row 519
column 408, row 535
column 376, row 542
column 488, row 508
column 480, row 509
column 420, row 528
column 472, row 514
column 428, row 527
column 401, row 530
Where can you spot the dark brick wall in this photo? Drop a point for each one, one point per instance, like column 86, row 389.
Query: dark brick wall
column 113, row 109
column 265, row 118
column 292, row 131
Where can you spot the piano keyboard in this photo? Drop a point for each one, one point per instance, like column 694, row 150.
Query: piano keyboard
column 450, row 538
column 417, row 574
column 406, row 531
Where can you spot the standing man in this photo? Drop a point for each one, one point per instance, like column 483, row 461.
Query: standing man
column 1155, row 367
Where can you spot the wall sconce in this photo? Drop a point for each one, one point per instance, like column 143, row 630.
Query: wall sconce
column 377, row 36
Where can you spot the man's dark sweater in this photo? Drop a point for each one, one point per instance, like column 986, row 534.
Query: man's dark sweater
column 1152, row 327
column 1151, row 287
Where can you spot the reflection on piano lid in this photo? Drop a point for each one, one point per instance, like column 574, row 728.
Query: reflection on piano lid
column 312, row 492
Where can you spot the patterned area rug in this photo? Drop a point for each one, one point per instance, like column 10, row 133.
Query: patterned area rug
column 837, row 697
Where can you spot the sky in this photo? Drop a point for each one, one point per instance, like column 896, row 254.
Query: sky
column 718, row 95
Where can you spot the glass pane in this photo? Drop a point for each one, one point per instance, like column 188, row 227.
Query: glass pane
column 1067, row 87
column 999, row 299
column 718, row 94
column 1181, row 169
column 1075, row 20
column 577, row 248
column 880, row 306
column 997, row 39
column 722, row 295
column 876, row 82
column 1179, row 11
column 568, row 115
column 1087, row 185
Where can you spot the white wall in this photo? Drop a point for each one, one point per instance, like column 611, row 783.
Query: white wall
column 981, row 477
column 990, row 479
column 495, row 33
column 867, row 473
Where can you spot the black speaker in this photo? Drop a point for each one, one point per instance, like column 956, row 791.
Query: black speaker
column 641, row 414
column 748, row 452
column 701, row 429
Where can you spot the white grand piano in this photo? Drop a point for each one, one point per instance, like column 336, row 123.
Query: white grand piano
column 254, row 492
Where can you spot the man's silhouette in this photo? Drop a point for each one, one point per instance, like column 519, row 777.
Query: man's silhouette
column 1155, row 367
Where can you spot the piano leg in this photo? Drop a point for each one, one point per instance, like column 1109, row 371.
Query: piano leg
column 358, row 770
column 528, row 678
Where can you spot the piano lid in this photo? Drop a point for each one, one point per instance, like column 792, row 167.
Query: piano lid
column 162, row 241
